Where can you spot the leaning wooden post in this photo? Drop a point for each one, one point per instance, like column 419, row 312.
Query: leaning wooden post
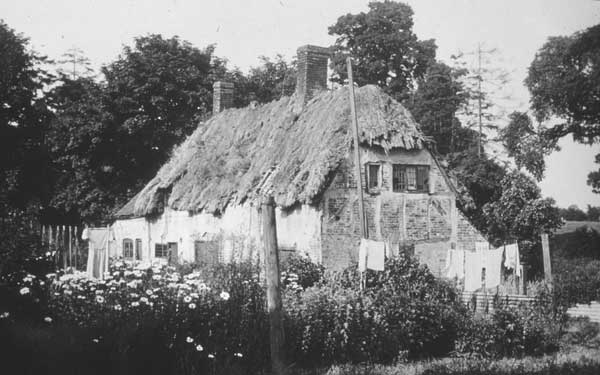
column 361, row 209
column 274, row 302
column 357, row 165
column 546, row 256
column 64, row 247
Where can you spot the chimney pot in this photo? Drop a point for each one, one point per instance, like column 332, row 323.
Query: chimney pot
column 222, row 96
column 312, row 71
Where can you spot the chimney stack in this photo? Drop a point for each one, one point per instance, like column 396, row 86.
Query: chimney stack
column 312, row 71
column 222, row 96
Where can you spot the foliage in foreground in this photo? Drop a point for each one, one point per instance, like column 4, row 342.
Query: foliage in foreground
column 155, row 319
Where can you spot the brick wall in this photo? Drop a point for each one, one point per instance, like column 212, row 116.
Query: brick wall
column 312, row 71
column 421, row 219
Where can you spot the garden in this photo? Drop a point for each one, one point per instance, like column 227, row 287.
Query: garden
column 152, row 319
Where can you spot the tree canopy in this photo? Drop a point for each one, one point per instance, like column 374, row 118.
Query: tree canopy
column 526, row 144
column 384, row 48
column 435, row 103
column 564, row 81
column 23, row 118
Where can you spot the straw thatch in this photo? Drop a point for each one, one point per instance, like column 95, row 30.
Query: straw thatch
column 281, row 147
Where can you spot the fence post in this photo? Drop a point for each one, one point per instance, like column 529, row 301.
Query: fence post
column 274, row 303
column 546, row 256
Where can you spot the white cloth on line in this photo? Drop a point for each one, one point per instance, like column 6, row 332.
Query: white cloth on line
column 511, row 256
column 371, row 255
column 85, row 234
column 362, row 255
column 376, row 255
column 455, row 264
column 493, row 267
column 473, row 267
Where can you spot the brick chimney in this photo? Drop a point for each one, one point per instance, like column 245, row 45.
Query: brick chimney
column 222, row 96
column 312, row 71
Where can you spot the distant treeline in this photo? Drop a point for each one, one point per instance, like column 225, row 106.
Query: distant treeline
column 574, row 213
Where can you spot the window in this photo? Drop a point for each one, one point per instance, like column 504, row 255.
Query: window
column 161, row 250
column 411, row 178
column 373, row 173
column 138, row 249
column 127, row 248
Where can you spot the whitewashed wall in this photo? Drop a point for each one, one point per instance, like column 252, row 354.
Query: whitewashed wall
column 238, row 229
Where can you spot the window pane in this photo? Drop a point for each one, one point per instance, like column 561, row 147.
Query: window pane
column 398, row 177
column 127, row 248
column 411, row 178
column 373, row 175
column 160, row 250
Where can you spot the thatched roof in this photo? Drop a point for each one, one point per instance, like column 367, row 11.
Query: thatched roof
column 281, row 147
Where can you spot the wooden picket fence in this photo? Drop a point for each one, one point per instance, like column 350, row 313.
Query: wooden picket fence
column 65, row 242
column 484, row 303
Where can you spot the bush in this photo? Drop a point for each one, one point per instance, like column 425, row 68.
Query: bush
column 403, row 312
column 515, row 331
column 300, row 270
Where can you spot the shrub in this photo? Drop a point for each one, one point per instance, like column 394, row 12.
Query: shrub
column 514, row 331
column 403, row 312
column 302, row 271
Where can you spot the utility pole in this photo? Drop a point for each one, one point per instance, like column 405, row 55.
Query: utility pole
column 361, row 209
column 274, row 303
column 479, row 79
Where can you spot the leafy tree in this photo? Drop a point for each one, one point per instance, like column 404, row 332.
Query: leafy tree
column 593, row 213
column 564, row 81
column 81, row 143
column 272, row 79
column 439, row 96
column 384, row 48
column 479, row 181
column 526, row 145
column 23, row 117
column 155, row 93
column 520, row 213
column 573, row 212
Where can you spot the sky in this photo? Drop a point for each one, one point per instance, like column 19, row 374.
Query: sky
column 243, row 30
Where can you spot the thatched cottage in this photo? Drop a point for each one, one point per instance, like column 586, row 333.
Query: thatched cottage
column 203, row 203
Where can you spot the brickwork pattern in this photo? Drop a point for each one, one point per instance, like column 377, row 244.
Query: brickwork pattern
column 222, row 96
column 312, row 71
column 424, row 220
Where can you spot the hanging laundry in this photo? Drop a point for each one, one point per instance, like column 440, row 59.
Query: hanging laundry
column 362, row 255
column 473, row 268
column 455, row 264
column 97, row 252
column 493, row 267
column 482, row 246
column 371, row 255
column 511, row 256
column 85, row 235
column 376, row 255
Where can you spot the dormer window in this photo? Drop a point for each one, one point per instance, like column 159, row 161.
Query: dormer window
column 410, row 178
column 373, row 174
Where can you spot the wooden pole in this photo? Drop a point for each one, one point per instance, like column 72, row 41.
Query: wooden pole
column 75, row 231
column 546, row 256
column 357, row 165
column 63, row 245
column 274, row 303
column 70, row 240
